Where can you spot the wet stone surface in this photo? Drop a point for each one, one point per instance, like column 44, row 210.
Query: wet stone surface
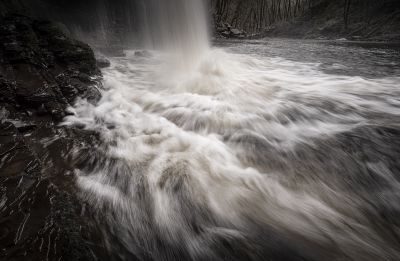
column 42, row 73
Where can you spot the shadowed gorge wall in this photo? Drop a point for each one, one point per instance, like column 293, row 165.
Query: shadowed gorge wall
column 108, row 22
column 302, row 18
column 119, row 22
column 255, row 15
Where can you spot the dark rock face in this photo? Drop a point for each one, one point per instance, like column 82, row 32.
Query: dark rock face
column 104, row 23
column 367, row 21
column 103, row 62
column 42, row 67
column 42, row 72
column 317, row 19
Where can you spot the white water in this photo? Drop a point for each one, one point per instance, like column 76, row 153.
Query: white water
column 198, row 140
column 188, row 154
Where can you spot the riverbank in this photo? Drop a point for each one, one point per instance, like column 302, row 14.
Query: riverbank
column 42, row 73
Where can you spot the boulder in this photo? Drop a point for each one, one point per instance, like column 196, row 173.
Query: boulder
column 143, row 53
column 228, row 31
column 42, row 67
column 103, row 62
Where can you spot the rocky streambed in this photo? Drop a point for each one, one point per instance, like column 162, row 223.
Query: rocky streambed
column 42, row 73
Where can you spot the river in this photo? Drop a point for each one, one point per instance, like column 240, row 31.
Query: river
column 267, row 149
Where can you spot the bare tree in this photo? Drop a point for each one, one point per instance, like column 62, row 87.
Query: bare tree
column 347, row 5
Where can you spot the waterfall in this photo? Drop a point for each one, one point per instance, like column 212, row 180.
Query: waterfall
column 179, row 27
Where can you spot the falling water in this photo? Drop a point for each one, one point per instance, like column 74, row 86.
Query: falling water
column 243, row 155
column 179, row 27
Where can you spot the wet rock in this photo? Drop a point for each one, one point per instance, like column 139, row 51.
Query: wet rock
column 15, row 156
column 112, row 51
column 36, row 55
column 92, row 94
column 7, row 91
column 143, row 53
column 42, row 73
column 227, row 31
column 103, row 62
column 23, row 126
column 40, row 216
column 226, row 34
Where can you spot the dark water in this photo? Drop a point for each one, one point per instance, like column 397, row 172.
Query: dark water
column 366, row 59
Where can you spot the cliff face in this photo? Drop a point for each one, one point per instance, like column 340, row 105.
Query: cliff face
column 42, row 73
column 253, row 16
column 98, row 22
column 356, row 19
column 118, row 22
column 350, row 19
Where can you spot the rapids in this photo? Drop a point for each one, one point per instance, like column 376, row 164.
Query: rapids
column 269, row 150
column 245, row 156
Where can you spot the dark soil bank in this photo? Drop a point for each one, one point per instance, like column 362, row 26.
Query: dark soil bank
column 42, row 72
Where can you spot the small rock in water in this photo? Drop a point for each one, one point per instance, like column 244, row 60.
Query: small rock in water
column 143, row 53
column 116, row 51
column 227, row 31
column 103, row 62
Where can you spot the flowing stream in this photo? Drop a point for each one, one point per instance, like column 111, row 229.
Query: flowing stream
column 252, row 150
